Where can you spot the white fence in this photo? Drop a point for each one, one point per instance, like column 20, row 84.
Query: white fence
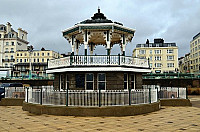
column 97, row 60
column 14, row 92
column 48, row 96
column 168, row 92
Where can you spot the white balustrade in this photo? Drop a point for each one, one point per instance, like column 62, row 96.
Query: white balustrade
column 97, row 60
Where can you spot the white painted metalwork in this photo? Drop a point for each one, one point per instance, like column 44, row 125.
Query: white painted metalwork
column 97, row 61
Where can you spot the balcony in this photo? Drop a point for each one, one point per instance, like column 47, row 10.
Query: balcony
column 98, row 61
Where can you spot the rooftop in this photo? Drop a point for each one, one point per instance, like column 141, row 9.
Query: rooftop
column 157, row 43
column 98, row 18
column 196, row 36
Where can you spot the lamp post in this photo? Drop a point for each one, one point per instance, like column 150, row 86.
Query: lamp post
column 30, row 50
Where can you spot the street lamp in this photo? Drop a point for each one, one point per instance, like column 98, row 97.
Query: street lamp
column 30, row 50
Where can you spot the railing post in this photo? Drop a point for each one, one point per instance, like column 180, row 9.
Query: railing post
column 157, row 93
column 178, row 92
column 186, row 93
column 67, row 96
column 129, row 96
column 150, row 95
column 41, row 96
column 4, row 92
column 99, row 97
column 27, row 94
column 71, row 59
column 119, row 59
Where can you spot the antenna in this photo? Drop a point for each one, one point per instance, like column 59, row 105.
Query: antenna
column 98, row 9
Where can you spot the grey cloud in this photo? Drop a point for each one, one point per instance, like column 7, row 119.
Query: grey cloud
column 174, row 20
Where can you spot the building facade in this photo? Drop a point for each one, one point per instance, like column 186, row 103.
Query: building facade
column 37, row 59
column 163, row 57
column 10, row 42
column 184, row 64
column 195, row 54
column 94, row 72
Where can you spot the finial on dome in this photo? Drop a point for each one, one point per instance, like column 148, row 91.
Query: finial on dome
column 98, row 9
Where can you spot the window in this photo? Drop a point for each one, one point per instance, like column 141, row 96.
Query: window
column 157, row 51
column 38, row 60
column 150, row 65
column 6, row 57
column 132, row 81
column 34, row 54
column 24, row 60
column 11, row 64
column 6, row 65
column 125, row 81
column 17, row 54
column 25, row 54
column 48, row 54
column 7, row 43
column 89, row 81
column 150, row 58
column 42, row 54
column 170, row 57
column 157, row 57
column 20, row 60
column 21, row 54
column 33, row 60
column 12, row 43
column 11, row 57
column 169, row 51
column 170, row 64
column 17, row 60
column 6, row 50
column 150, row 51
column 142, row 51
column 158, row 64
column 101, row 81
column 80, row 80
column 38, row 54
column 42, row 60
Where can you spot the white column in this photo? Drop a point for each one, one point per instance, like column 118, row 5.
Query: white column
column 85, row 36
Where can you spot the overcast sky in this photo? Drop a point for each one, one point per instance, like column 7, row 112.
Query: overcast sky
column 173, row 20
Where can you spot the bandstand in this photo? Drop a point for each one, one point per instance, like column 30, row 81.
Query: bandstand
column 93, row 72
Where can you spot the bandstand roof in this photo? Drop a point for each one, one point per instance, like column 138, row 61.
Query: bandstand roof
column 99, row 23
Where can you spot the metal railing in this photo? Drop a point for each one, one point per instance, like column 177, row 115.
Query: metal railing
column 98, row 60
column 48, row 96
column 14, row 92
column 168, row 92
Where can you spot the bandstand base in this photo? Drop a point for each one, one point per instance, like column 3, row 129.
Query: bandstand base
column 91, row 111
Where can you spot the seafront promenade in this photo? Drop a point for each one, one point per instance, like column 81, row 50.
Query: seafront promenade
column 13, row 118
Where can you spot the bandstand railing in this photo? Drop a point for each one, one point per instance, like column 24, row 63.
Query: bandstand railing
column 97, row 60
column 48, row 96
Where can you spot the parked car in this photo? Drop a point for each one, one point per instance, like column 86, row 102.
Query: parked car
column 3, row 85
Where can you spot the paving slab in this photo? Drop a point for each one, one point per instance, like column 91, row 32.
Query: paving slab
column 167, row 119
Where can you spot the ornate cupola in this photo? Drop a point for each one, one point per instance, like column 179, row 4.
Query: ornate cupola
column 98, row 31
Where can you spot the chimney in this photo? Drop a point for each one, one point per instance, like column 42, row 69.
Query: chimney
column 8, row 27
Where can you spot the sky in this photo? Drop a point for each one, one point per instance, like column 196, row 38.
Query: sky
column 173, row 20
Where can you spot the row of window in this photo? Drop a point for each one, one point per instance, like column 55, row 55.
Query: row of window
column 195, row 43
column 87, row 81
column 159, row 65
column 12, row 43
column 35, row 54
column 169, row 51
column 33, row 60
column 160, row 58
column 6, row 65
column 11, row 49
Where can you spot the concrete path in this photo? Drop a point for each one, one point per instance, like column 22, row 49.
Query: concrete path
column 168, row 119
